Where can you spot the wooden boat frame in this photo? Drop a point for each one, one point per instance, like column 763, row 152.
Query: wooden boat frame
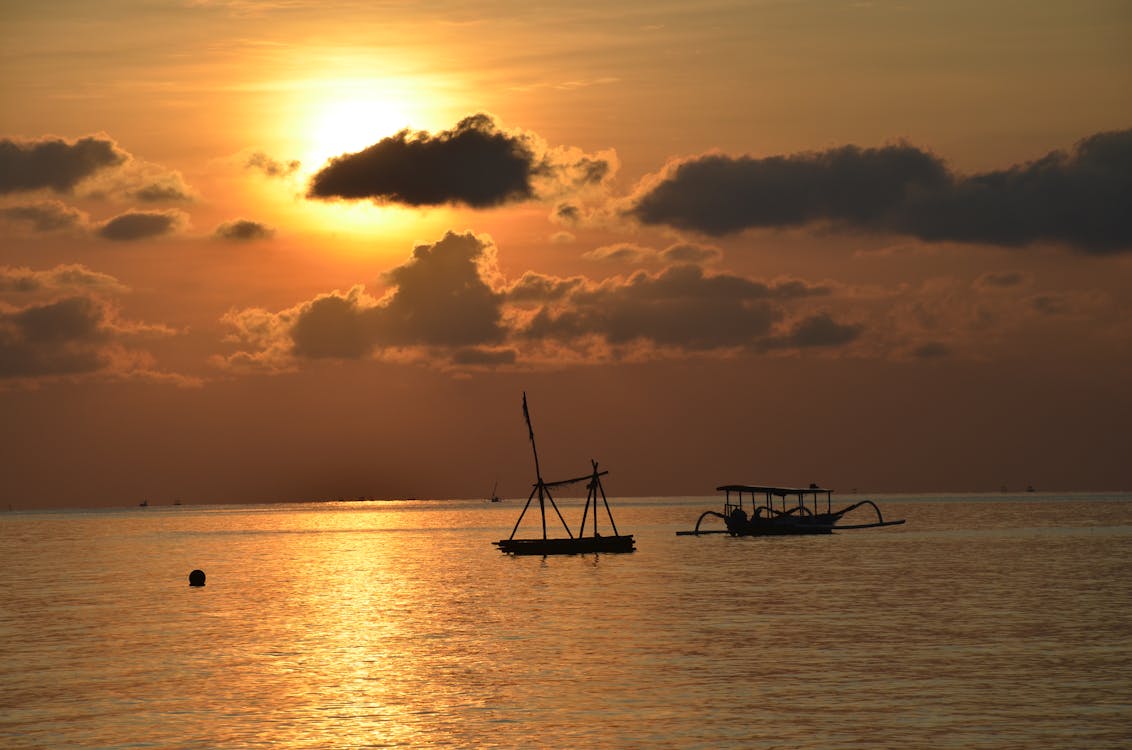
column 571, row 544
column 786, row 519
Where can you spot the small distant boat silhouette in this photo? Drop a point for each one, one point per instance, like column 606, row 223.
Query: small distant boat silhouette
column 495, row 497
column 143, row 504
column 570, row 544
column 766, row 519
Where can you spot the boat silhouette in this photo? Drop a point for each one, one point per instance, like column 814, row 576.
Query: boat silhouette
column 788, row 515
column 570, row 544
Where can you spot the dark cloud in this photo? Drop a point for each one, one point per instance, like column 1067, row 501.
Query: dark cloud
column 244, row 229
column 336, row 326
column 63, row 337
column 440, row 299
column 819, row 330
column 1080, row 198
column 932, row 350
column 136, row 225
column 77, row 335
column 477, row 164
column 46, row 216
column 535, row 287
column 718, row 194
column 448, row 303
column 679, row 307
column 686, row 252
column 74, row 276
column 474, row 163
column 621, row 252
column 167, row 188
column 1051, row 304
column 271, row 167
column 136, row 180
column 567, row 213
column 54, row 162
column 1001, row 280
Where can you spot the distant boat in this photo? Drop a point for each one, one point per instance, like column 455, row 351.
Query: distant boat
column 494, row 497
column 1030, row 488
column 570, row 544
column 782, row 511
column 143, row 504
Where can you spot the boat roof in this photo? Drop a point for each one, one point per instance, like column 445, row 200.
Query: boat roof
column 764, row 490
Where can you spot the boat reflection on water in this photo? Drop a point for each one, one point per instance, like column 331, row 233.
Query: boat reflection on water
column 776, row 511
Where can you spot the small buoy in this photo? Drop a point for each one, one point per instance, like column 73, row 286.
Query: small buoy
column 196, row 578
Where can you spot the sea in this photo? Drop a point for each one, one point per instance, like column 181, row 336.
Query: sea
column 984, row 622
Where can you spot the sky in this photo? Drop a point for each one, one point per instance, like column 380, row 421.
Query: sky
column 296, row 250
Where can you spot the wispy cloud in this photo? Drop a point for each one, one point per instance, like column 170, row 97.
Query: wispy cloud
column 60, row 278
column 46, row 216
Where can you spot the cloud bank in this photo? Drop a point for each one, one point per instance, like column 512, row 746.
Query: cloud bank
column 449, row 306
column 680, row 307
column 1081, row 198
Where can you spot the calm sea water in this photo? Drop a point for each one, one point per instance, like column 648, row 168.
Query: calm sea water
column 984, row 622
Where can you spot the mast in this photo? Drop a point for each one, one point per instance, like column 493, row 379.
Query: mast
column 538, row 472
column 540, row 486
column 531, row 432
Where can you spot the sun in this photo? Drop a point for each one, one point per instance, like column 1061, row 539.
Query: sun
column 347, row 125
column 325, row 116
column 338, row 115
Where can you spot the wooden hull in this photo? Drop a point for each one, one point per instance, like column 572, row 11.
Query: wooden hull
column 782, row 525
column 576, row 546
column 779, row 529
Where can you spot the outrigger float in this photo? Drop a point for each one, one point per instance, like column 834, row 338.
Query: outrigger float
column 570, row 544
column 777, row 511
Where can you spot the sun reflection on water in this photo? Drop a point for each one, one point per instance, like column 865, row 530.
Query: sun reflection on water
column 398, row 624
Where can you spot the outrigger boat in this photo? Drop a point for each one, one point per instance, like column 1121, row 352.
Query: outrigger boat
column 783, row 511
column 570, row 544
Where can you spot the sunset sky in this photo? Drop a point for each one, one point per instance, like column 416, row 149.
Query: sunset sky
column 290, row 250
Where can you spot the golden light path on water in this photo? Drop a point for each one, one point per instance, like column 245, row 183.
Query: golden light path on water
column 982, row 623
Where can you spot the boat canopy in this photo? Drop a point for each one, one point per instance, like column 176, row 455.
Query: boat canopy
column 776, row 491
